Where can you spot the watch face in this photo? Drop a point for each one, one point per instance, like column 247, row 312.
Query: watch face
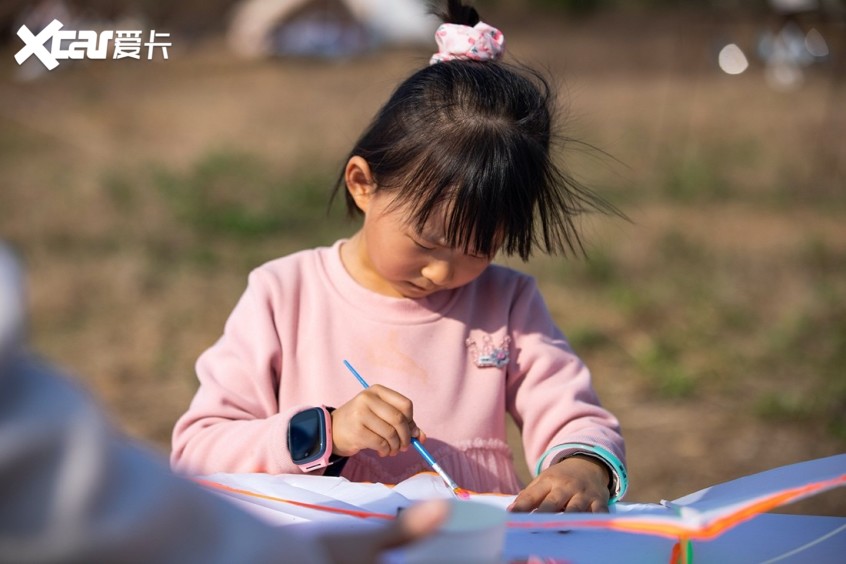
column 305, row 436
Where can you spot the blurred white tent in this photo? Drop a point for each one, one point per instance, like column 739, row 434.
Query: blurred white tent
column 327, row 27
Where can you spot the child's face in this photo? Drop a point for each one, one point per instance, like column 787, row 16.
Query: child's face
column 403, row 262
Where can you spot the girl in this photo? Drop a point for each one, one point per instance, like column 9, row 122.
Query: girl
column 454, row 168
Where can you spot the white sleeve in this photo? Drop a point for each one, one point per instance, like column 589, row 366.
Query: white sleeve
column 74, row 490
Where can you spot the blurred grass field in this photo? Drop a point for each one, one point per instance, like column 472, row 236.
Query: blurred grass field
column 141, row 194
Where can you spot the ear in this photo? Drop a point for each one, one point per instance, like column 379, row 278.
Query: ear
column 360, row 182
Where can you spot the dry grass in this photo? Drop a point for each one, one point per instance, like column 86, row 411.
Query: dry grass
column 713, row 322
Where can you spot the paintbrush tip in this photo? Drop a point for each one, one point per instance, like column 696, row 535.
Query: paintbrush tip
column 461, row 493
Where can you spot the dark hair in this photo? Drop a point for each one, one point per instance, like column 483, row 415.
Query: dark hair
column 476, row 136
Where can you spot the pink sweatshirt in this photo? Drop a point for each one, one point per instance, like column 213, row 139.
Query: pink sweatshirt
column 464, row 357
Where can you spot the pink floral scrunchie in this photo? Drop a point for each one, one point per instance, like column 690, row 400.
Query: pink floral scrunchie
column 478, row 43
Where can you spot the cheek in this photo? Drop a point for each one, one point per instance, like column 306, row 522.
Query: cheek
column 394, row 264
column 469, row 272
column 394, row 268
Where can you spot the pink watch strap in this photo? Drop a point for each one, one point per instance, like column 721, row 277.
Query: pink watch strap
column 323, row 461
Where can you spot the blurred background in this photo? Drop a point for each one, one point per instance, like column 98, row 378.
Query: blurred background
column 140, row 193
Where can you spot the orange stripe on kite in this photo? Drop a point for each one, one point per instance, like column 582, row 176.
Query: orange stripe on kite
column 351, row 512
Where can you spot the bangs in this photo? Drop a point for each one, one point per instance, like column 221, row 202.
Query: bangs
column 497, row 193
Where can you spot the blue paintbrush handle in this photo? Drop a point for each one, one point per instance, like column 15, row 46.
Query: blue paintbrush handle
column 417, row 444
column 423, row 452
column 355, row 373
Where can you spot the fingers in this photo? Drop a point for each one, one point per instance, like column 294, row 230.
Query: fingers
column 555, row 501
column 391, row 419
column 525, row 501
column 417, row 522
column 580, row 504
column 538, row 498
column 599, row 506
column 563, row 488
column 400, row 403
column 379, row 419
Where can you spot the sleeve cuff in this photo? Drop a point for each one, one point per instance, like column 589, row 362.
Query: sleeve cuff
column 619, row 477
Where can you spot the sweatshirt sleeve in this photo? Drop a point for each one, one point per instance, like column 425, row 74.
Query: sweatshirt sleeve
column 551, row 397
column 75, row 490
column 233, row 423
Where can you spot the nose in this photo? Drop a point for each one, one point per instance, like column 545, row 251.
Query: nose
column 438, row 272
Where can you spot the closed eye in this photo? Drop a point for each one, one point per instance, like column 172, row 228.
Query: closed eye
column 479, row 255
column 425, row 247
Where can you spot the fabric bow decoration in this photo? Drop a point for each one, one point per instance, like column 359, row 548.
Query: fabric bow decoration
column 481, row 42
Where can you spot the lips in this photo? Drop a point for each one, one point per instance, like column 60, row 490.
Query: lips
column 423, row 289
column 418, row 288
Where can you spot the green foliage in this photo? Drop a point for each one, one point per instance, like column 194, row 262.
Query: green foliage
column 120, row 190
column 660, row 360
column 782, row 407
column 588, row 339
column 694, row 179
column 231, row 194
column 817, row 339
column 597, row 268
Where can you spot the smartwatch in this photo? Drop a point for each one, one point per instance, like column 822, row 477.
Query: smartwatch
column 310, row 438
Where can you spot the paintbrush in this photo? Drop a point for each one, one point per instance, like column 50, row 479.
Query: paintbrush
column 458, row 492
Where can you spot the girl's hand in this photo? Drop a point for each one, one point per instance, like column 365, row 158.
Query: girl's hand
column 379, row 419
column 577, row 483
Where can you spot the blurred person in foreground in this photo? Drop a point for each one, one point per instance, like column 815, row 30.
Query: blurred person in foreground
column 74, row 490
